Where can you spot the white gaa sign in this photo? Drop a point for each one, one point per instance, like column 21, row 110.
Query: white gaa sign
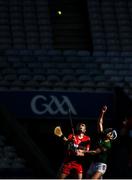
column 52, row 105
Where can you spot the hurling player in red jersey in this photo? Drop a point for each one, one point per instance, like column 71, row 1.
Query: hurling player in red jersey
column 77, row 145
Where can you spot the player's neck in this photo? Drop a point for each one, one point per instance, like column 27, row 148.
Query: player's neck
column 80, row 135
column 106, row 140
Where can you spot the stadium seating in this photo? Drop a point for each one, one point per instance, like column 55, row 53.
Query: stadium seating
column 29, row 59
column 11, row 164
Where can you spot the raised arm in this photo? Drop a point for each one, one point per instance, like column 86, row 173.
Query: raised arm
column 101, row 118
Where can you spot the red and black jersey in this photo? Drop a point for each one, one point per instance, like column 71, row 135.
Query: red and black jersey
column 76, row 142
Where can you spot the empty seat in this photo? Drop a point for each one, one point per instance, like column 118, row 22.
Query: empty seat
column 39, row 77
column 69, row 78
column 24, row 77
column 84, row 78
column 53, row 78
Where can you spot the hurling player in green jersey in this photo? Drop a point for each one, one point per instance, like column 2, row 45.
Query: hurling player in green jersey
column 99, row 165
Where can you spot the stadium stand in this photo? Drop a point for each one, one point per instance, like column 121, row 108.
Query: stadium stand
column 20, row 156
column 12, row 165
column 79, row 69
column 30, row 56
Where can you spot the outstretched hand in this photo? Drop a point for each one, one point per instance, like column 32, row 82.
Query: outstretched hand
column 104, row 109
column 80, row 152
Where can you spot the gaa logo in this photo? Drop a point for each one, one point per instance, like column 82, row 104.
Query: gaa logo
column 51, row 104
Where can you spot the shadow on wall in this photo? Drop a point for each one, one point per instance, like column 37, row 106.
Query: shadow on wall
column 122, row 154
column 25, row 145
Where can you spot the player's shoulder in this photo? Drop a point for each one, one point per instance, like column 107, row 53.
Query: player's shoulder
column 86, row 137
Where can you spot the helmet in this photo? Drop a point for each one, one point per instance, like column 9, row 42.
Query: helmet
column 114, row 133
